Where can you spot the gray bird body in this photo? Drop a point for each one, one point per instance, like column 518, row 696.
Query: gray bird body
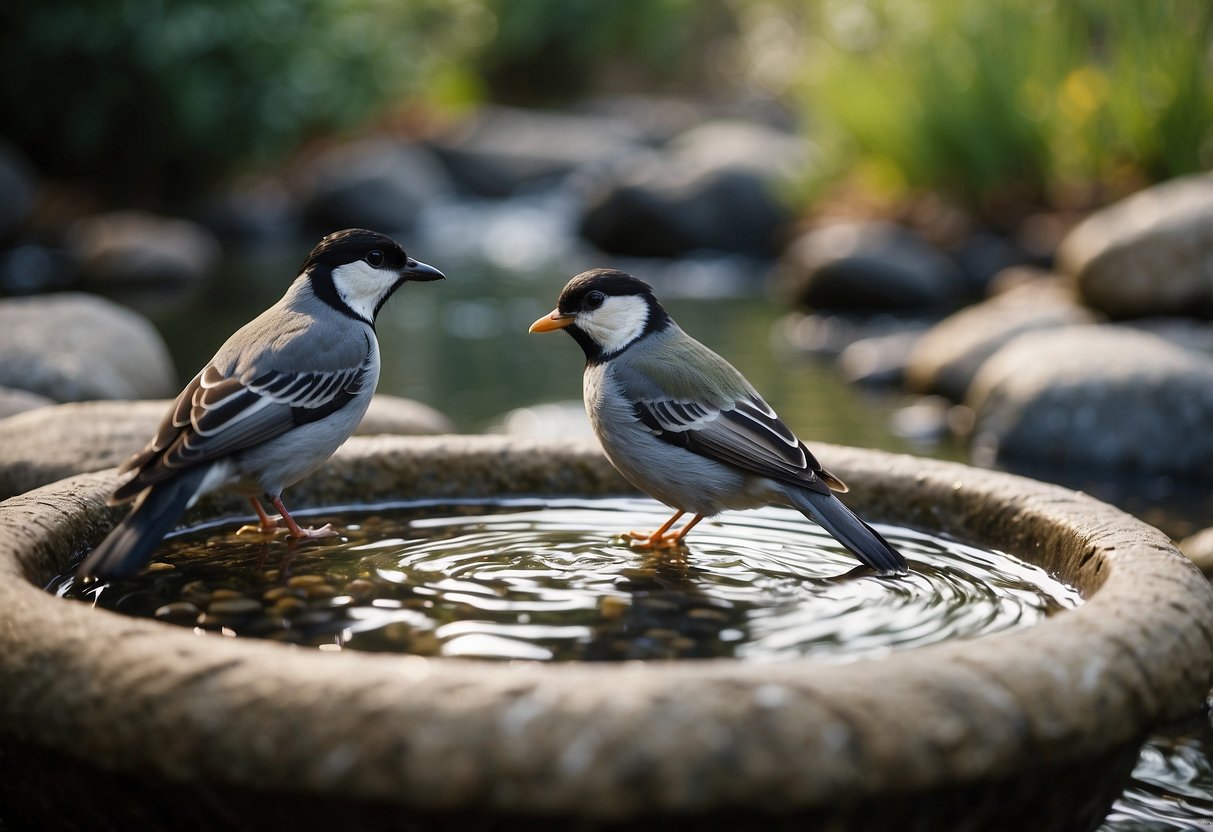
column 683, row 425
column 273, row 404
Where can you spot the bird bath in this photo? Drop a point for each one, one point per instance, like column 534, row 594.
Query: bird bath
column 138, row 719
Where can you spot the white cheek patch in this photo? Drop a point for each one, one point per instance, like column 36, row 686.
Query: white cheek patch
column 361, row 286
column 618, row 322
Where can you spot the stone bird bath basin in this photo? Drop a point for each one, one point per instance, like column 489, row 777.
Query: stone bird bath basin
column 113, row 722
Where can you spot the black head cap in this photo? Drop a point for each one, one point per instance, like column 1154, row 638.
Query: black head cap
column 588, row 290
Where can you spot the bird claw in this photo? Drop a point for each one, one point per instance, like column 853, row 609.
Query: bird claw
column 652, row 540
column 266, row 532
column 326, row 530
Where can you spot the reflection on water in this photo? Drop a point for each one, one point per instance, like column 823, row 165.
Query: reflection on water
column 1172, row 786
column 552, row 580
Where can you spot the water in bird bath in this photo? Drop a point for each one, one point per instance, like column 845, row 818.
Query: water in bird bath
column 551, row 580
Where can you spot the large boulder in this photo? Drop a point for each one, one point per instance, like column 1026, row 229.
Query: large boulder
column 946, row 358
column 1149, row 254
column 1102, row 396
column 73, row 346
column 501, row 150
column 714, row 187
column 135, row 248
column 869, row 266
column 14, row 401
column 376, row 183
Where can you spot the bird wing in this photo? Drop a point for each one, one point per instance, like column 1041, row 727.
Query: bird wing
column 689, row 396
column 216, row 415
column 747, row 435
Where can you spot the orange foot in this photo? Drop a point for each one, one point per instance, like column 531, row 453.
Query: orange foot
column 663, row 538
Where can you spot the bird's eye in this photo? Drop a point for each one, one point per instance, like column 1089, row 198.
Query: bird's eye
column 594, row 300
column 375, row 258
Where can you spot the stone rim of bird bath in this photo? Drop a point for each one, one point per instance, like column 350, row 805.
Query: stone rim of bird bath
column 615, row 741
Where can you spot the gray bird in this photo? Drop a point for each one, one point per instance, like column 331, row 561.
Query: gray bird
column 273, row 404
column 684, row 426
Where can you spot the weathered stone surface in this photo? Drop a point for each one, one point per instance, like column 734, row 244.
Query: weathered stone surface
column 377, row 183
column 948, row 356
column 136, row 247
column 14, row 401
column 894, row 741
column 57, row 442
column 1149, row 254
column 1199, row 548
column 1105, row 396
column 869, row 266
column 72, row 347
column 713, row 187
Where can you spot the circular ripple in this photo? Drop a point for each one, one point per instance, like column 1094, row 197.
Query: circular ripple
column 552, row 580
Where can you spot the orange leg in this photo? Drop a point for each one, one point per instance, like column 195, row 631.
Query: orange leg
column 682, row 533
column 661, row 537
column 295, row 529
column 267, row 526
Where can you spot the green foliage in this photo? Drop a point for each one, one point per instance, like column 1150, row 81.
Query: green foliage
column 158, row 96
column 982, row 97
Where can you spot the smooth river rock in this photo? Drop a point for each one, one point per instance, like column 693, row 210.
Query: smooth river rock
column 1199, row 549
column 1149, row 254
column 869, row 266
column 74, row 347
column 1104, row 396
column 948, row 356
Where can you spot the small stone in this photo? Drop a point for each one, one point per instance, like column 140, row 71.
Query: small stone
column 159, row 566
column 234, row 607
column 306, row 580
column 288, row 606
column 178, row 612
column 320, row 591
column 197, row 593
column 226, row 595
column 612, row 607
column 360, row 589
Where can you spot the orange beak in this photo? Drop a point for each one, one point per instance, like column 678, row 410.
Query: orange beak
column 549, row 323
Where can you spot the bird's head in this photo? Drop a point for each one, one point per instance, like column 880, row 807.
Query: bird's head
column 355, row 271
column 605, row 311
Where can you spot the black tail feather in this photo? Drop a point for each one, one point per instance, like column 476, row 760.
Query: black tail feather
column 864, row 541
column 132, row 542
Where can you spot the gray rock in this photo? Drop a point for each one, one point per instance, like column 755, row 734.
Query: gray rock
column 880, row 360
column 1149, row 254
column 14, row 401
column 136, row 247
column 502, row 149
column 1184, row 332
column 869, row 266
column 56, row 442
column 379, row 184
column 403, row 417
column 714, row 187
column 1199, row 549
column 947, row 357
column 1102, row 396
column 72, row 347
column 17, row 190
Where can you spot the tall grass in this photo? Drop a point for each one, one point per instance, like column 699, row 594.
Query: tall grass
column 1038, row 98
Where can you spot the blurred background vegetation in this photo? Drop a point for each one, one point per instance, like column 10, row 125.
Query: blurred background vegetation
column 1000, row 103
